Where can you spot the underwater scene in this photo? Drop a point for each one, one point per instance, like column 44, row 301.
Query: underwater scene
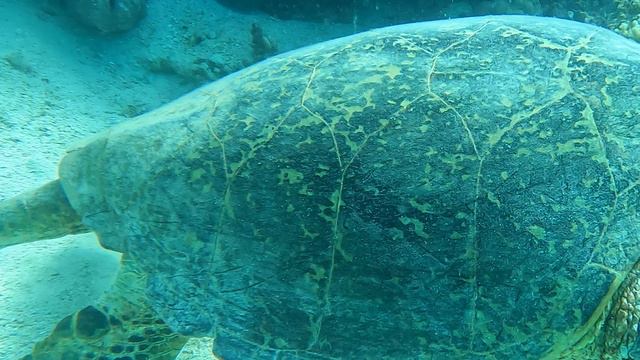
column 319, row 179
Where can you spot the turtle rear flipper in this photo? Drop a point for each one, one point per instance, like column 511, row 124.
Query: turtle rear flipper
column 43, row 213
column 121, row 325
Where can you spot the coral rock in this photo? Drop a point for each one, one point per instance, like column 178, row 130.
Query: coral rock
column 108, row 16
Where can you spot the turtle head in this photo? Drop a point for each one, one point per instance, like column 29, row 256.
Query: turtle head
column 43, row 213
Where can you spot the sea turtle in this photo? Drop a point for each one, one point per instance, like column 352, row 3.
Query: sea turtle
column 454, row 189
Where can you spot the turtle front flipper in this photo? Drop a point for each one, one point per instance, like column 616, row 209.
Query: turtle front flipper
column 121, row 325
column 621, row 340
column 43, row 213
column 612, row 331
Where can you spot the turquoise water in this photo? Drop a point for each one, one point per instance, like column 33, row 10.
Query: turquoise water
column 70, row 69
